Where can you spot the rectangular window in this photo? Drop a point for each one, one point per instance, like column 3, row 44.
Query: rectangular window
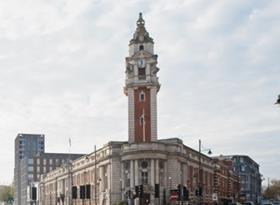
column 51, row 161
column 30, row 161
column 30, row 169
column 142, row 73
column 144, row 176
column 142, row 97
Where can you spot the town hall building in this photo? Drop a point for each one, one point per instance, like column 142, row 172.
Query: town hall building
column 144, row 169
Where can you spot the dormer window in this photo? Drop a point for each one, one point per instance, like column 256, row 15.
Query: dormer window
column 141, row 47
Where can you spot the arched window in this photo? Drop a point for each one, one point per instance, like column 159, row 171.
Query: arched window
column 142, row 96
column 142, row 120
column 141, row 47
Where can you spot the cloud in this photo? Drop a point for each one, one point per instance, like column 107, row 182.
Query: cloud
column 62, row 73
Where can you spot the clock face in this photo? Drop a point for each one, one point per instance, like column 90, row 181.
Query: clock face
column 141, row 63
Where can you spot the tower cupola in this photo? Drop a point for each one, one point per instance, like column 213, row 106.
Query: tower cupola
column 141, row 39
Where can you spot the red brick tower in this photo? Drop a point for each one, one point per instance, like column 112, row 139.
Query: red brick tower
column 141, row 86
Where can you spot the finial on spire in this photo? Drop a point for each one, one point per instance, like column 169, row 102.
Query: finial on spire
column 140, row 20
column 141, row 35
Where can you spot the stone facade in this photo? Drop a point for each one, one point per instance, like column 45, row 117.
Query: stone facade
column 118, row 167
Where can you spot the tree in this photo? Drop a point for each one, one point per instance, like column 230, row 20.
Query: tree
column 273, row 191
column 7, row 194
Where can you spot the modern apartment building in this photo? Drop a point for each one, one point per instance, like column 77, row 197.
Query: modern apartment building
column 250, row 178
column 26, row 146
column 31, row 162
column 35, row 167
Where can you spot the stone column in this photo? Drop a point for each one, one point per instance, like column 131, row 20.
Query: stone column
column 153, row 114
column 101, row 175
column 136, row 172
column 109, row 182
column 157, row 171
column 165, row 175
column 157, row 178
column 135, row 72
column 131, row 175
column 122, row 180
column 136, row 179
column 131, row 113
column 152, row 180
column 148, row 72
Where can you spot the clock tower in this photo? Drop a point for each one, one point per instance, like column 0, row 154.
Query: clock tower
column 141, row 86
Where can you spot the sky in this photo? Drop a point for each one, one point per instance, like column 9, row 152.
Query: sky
column 62, row 71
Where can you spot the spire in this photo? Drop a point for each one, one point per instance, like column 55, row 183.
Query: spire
column 141, row 35
column 140, row 21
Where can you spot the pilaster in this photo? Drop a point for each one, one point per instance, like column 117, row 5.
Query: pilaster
column 153, row 113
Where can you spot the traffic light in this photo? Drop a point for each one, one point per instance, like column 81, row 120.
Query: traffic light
column 34, row 193
column 196, row 192
column 87, row 191
column 136, row 191
column 141, row 195
column 179, row 191
column 74, row 192
column 156, row 190
column 185, row 194
column 82, row 192
column 200, row 191
column 129, row 194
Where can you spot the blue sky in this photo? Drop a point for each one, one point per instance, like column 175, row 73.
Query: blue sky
column 62, row 74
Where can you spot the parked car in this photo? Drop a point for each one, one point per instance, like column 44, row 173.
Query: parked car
column 248, row 203
column 237, row 203
column 276, row 203
column 266, row 202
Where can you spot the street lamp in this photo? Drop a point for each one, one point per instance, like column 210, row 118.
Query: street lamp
column 200, row 171
column 170, row 183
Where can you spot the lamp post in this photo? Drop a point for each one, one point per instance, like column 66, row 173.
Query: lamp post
column 170, row 183
column 200, row 191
